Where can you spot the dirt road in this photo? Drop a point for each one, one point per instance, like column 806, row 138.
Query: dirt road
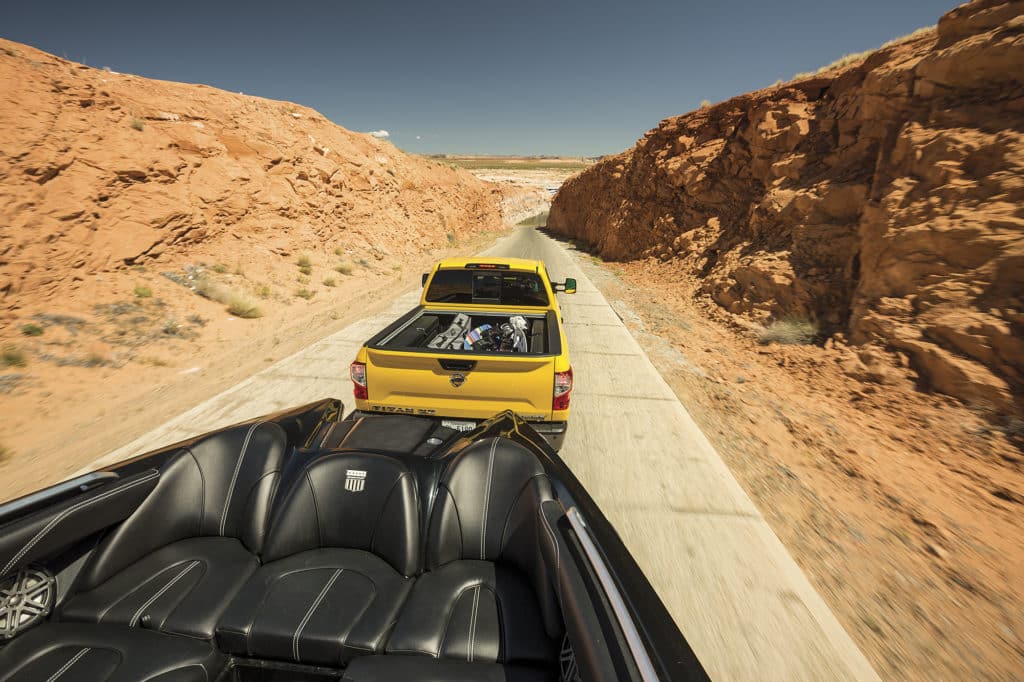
column 739, row 598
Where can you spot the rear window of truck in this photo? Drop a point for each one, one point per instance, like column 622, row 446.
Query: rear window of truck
column 501, row 287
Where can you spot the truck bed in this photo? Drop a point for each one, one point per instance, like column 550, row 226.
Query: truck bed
column 415, row 331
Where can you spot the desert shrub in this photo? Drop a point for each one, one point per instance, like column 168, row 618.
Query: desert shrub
column 363, row 262
column 451, row 238
column 220, row 268
column 264, row 291
column 142, row 291
column 138, row 124
column 171, row 327
column 330, row 282
column 305, row 293
column 244, row 308
column 31, row 329
column 207, row 288
column 343, row 268
column 12, row 356
column 306, row 269
column 304, row 261
column 338, row 251
column 790, row 330
column 5, row 452
column 705, row 103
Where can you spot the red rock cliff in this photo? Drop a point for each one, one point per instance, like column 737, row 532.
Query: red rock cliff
column 884, row 201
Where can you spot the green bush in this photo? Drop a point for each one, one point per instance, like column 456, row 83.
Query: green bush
column 31, row 329
column 12, row 356
column 142, row 291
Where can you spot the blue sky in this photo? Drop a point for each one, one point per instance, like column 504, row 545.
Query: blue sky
column 513, row 77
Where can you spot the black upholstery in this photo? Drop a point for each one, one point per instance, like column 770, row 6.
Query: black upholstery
column 472, row 611
column 380, row 514
column 206, row 519
column 487, row 596
column 71, row 652
column 418, row 669
column 49, row 530
column 322, row 606
column 181, row 588
column 346, row 535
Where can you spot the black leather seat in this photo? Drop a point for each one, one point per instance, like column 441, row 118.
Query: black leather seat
column 77, row 652
column 487, row 596
column 337, row 560
column 175, row 564
column 419, row 669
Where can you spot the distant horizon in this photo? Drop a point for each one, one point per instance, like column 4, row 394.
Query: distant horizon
column 569, row 79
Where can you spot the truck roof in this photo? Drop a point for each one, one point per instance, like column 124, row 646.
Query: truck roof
column 512, row 263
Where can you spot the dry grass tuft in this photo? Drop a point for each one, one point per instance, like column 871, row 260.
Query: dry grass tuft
column 855, row 57
column 790, row 330
column 330, row 282
column 243, row 307
column 305, row 293
column 343, row 268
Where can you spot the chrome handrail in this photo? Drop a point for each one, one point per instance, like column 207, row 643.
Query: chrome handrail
column 604, row 576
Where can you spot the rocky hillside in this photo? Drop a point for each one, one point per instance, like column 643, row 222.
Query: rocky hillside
column 100, row 172
column 881, row 201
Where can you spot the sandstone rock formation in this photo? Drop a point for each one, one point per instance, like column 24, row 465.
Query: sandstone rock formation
column 102, row 171
column 882, row 200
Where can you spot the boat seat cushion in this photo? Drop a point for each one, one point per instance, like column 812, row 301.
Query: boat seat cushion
column 66, row 652
column 474, row 611
column 182, row 588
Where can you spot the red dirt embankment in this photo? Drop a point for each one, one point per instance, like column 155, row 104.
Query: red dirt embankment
column 141, row 220
column 101, row 171
column 881, row 201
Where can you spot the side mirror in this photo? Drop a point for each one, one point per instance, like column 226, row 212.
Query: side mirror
column 569, row 285
column 426, row 276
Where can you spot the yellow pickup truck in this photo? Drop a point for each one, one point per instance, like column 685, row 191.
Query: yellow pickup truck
column 486, row 337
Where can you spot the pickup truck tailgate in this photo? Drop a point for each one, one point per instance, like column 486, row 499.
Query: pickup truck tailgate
column 488, row 383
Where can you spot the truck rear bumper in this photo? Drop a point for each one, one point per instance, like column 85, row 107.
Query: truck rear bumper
column 553, row 432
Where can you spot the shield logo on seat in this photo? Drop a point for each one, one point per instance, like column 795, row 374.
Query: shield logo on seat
column 355, row 480
column 457, row 379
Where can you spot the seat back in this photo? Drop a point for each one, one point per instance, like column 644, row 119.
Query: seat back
column 488, row 508
column 354, row 501
column 223, row 485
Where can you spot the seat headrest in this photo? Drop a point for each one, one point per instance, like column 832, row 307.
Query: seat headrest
column 486, row 495
column 354, row 501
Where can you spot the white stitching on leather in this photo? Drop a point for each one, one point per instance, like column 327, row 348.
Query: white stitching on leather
column 309, row 613
column 64, row 514
column 487, row 499
column 327, row 435
column 234, row 478
column 64, row 668
column 472, row 623
column 149, row 602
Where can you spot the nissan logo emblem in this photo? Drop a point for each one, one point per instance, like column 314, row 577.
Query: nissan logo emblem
column 457, row 379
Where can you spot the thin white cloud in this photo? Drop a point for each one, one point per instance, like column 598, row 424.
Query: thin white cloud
column 380, row 134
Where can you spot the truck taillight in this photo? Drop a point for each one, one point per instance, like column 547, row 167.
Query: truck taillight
column 357, row 370
column 563, row 387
